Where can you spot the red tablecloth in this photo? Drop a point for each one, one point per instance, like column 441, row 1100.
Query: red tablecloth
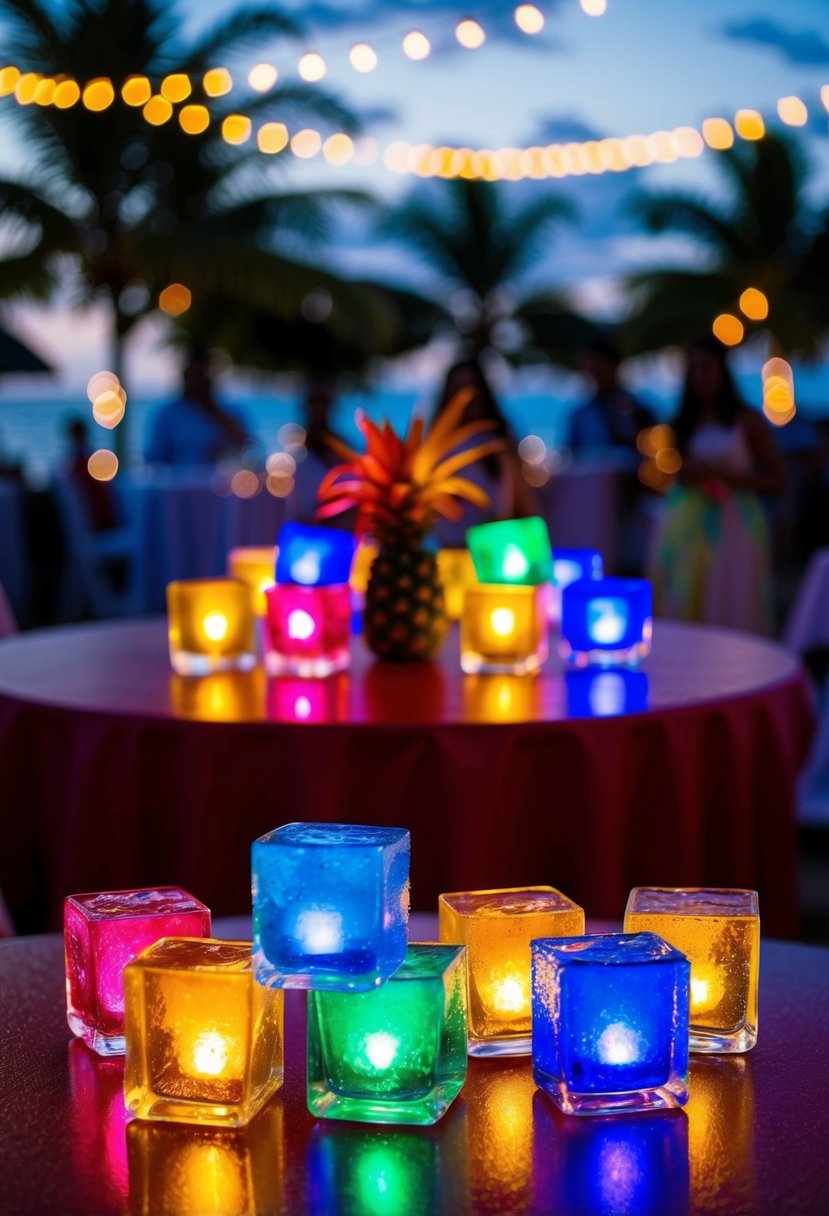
column 116, row 773
column 750, row 1141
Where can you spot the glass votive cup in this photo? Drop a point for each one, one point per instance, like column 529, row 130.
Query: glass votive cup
column 512, row 551
column 254, row 565
column 308, row 630
column 102, row 932
column 456, row 571
column 314, row 557
column 211, row 626
column 396, row 1054
column 718, row 930
column 330, row 905
column 204, row 1041
column 610, row 1022
column 608, row 622
column 504, row 630
column 497, row 927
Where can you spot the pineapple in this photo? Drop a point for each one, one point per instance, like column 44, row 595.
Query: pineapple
column 400, row 487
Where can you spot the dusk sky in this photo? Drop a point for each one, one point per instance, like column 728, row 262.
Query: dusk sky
column 642, row 66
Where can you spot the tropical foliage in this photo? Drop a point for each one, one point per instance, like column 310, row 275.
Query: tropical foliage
column 763, row 234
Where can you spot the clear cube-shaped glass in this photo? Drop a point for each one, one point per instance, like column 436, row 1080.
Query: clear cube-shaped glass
column 314, row 557
column 102, row 932
column 204, row 1040
column 512, row 551
column 307, row 630
column 211, row 626
column 719, row 932
column 396, row 1054
column 330, row 905
column 607, row 621
column 610, row 1022
column 497, row 927
column 504, row 630
column 191, row 1170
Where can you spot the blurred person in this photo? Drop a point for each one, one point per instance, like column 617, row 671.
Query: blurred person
column 97, row 496
column 712, row 554
column 195, row 429
column 498, row 474
column 611, row 418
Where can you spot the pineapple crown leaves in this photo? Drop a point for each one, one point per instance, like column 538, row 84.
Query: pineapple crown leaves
column 407, row 482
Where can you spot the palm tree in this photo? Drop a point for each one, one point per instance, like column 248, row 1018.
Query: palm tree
column 764, row 235
column 116, row 209
column 481, row 248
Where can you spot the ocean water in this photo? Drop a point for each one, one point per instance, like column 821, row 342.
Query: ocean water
column 32, row 431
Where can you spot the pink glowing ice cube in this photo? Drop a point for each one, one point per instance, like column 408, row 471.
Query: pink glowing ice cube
column 104, row 931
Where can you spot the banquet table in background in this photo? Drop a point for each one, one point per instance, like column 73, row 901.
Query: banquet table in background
column 184, row 528
column 116, row 773
column 751, row 1139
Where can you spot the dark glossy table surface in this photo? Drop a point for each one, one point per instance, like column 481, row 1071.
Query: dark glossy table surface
column 122, row 668
column 752, row 1138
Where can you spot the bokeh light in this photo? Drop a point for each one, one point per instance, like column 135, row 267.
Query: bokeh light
column 245, row 484
column 176, row 87
column 416, row 45
column 728, row 329
column 338, row 149
column 108, row 409
column 792, row 111
column 98, row 94
column 194, row 119
column 272, row 137
column 175, row 299
column 470, row 34
column 236, row 129
column 754, row 304
column 718, row 133
column 67, row 94
column 312, row 67
column 362, row 57
column 44, row 92
column 306, row 143
column 749, row 124
column 532, row 449
column 216, row 82
column 262, row 77
column 594, row 8
column 529, row 19
column 102, row 382
column 157, row 111
column 26, row 87
column 102, row 465
column 8, row 80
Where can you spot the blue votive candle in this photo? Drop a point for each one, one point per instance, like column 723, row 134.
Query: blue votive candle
column 330, row 905
column 610, row 1022
column 608, row 621
column 313, row 556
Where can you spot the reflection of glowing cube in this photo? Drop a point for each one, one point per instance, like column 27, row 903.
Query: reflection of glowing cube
column 610, row 1022
column 504, row 629
column 605, row 692
column 606, row 621
column 330, row 905
column 497, row 927
column 719, row 931
column 204, row 1040
column 104, row 931
column 396, row 1054
column 512, row 551
column 307, row 629
column 313, row 556
column 211, row 626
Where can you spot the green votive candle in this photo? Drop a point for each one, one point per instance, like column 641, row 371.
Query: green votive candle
column 512, row 551
column 395, row 1054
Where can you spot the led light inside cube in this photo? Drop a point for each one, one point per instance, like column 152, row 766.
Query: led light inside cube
column 606, row 621
column 610, row 1022
column 504, row 629
column 497, row 927
column 204, row 1040
column 512, row 551
column 211, row 626
column 330, row 905
column 307, row 630
column 313, row 556
column 396, row 1054
column 719, row 931
column 104, row 931
column 254, row 566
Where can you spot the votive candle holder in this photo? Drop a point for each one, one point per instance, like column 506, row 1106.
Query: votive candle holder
column 608, row 622
column 204, row 1040
column 396, row 1054
column 102, row 932
column 512, row 551
column 314, row 557
column 610, row 1022
column 211, row 626
column 718, row 930
column 456, row 572
column 497, row 927
column 254, row 565
column 330, row 905
column 307, row 630
column 504, row 630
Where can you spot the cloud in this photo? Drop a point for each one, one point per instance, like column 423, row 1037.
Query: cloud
column 797, row 46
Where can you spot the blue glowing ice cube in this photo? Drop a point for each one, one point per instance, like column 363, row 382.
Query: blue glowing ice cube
column 330, row 905
column 608, row 621
column 314, row 557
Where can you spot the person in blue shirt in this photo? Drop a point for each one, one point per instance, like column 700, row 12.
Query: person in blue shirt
column 612, row 418
column 195, row 429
